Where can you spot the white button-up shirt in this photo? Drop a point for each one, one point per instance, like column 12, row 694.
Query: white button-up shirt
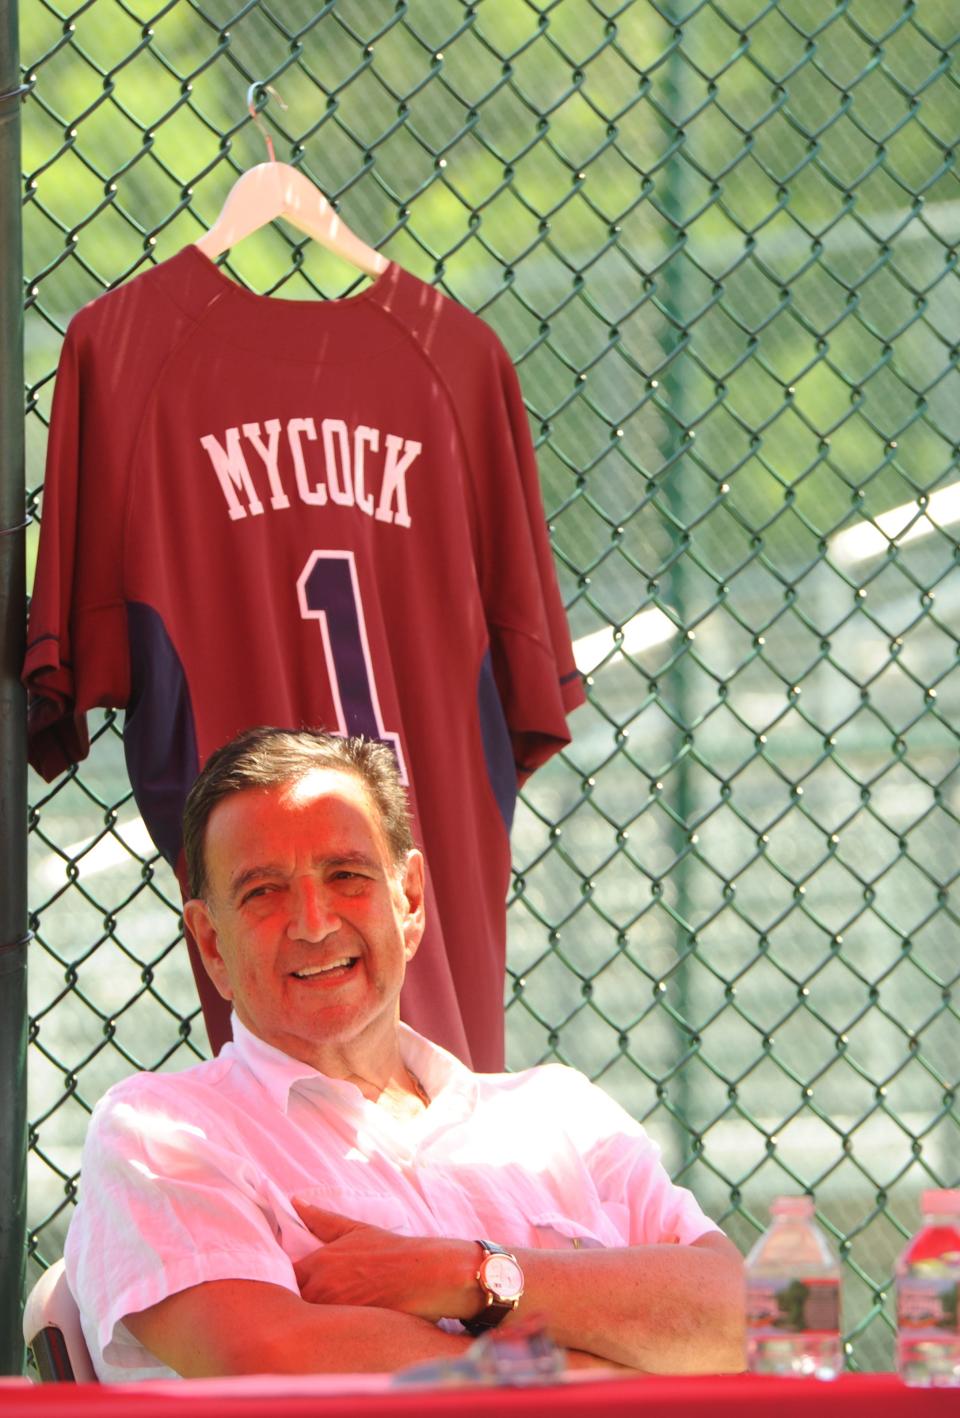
column 188, row 1177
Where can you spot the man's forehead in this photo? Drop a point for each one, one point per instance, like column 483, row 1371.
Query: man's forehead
column 325, row 782
column 312, row 801
column 295, row 798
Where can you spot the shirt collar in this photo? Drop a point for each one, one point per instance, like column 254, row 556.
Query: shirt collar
column 275, row 1071
column 278, row 1074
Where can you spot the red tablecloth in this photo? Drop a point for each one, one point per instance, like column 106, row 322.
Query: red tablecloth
column 852, row 1396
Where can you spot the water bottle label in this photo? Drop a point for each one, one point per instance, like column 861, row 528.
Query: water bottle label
column 793, row 1306
column 928, row 1303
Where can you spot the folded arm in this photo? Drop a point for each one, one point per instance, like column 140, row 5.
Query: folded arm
column 656, row 1308
column 249, row 1327
column 667, row 1309
column 369, row 1299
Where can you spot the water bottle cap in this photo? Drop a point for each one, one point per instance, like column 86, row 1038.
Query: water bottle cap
column 941, row 1201
column 791, row 1206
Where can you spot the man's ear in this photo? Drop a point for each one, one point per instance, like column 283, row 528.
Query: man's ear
column 199, row 922
column 413, row 887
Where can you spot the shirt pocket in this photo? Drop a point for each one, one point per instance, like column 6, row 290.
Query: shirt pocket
column 560, row 1233
column 372, row 1208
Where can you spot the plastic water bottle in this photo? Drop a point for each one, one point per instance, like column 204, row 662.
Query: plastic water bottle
column 793, row 1296
column 928, row 1296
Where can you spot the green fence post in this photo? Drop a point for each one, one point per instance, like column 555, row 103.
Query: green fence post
column 674, row 195
column 13, row 776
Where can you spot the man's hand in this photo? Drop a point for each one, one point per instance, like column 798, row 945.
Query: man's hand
column 431, row 1277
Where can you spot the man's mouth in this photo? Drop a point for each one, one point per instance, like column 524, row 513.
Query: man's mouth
column 336, row 967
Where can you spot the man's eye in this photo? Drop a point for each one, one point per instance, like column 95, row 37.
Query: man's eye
column 257, row 891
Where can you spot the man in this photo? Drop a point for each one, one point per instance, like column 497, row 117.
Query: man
column 205, row 1193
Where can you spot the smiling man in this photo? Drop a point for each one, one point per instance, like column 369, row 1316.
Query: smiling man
column 335, row 1193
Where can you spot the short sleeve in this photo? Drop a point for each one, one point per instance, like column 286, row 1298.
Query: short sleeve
column 164, row 1205
column 624, row 1163
column 56, row 737
column 532, row 656
column 76, row 635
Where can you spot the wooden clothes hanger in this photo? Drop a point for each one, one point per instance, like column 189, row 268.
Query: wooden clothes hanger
column 275, row 189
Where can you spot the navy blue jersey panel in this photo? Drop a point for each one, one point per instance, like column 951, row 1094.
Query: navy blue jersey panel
column 159, row 736
column 497, row 748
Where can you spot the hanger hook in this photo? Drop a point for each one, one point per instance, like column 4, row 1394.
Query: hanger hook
column 255, row 88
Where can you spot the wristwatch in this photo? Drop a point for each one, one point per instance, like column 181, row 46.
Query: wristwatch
column 501, row 1281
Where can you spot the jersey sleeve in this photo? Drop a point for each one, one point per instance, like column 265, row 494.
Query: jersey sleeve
column 164, row 1205
column 76, row 634
column 532, row 656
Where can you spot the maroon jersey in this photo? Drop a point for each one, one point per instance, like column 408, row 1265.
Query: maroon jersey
column 321, row 513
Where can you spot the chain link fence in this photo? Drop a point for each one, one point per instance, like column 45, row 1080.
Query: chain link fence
column 719, row 238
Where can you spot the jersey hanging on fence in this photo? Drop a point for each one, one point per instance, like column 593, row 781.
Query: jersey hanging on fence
column 321, row 513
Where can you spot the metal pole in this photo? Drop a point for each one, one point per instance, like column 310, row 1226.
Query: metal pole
column 675, row 193
column 13, row 773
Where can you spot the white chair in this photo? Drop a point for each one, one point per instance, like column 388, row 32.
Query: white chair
column 51, row 1328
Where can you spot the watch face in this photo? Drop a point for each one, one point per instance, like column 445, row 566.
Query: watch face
column 503, row 1276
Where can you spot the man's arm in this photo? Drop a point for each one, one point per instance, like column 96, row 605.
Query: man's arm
column 665, row 1309
column 656, row 1308
column 248, row 1327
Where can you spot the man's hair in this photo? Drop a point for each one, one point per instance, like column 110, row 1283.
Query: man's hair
column 269, row 758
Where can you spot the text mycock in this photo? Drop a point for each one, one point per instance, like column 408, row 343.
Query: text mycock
column 260, row 465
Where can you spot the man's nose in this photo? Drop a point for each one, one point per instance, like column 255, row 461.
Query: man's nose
column 311, row 914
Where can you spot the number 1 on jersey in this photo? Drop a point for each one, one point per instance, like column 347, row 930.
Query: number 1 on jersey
column 329, row 593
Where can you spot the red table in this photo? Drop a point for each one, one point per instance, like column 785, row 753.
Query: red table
column 743, row 1396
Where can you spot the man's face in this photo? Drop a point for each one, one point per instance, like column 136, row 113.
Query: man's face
column 308, row 923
